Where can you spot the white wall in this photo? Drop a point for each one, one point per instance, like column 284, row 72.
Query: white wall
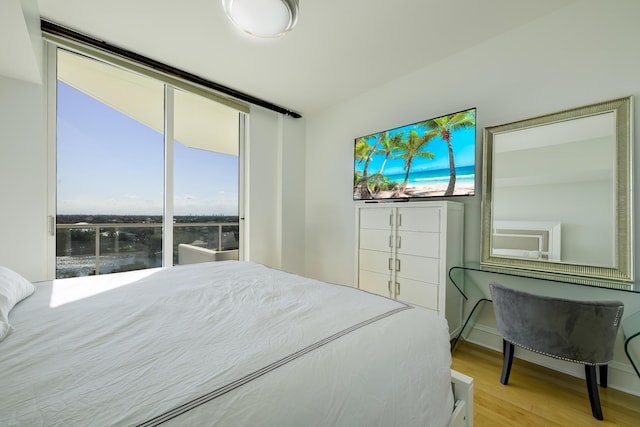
column 582, row 54
column 23, row 167
column 293, row 191
column 275, row 192
column 262, row 208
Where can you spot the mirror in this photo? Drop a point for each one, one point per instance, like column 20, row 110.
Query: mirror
column 557, row 195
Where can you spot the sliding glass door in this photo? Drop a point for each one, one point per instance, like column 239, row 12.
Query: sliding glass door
column 206, row 172
column 140, row 168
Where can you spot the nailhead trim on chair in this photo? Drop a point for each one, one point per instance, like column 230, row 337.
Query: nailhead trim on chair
column 559, row 357
column 617, row 319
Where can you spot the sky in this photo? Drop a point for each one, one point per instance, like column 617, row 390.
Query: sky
column 463, row 142
column 109, row 163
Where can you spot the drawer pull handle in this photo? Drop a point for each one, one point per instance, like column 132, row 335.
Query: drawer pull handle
column 397, row 288
column 389, row 287
column 390, row 266
column 397, row 265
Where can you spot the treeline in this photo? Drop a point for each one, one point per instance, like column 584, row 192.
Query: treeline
column 140, row 219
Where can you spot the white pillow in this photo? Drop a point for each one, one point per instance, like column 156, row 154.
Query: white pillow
column 13, row 289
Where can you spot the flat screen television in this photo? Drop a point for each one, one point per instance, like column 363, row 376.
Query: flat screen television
column 430, row 158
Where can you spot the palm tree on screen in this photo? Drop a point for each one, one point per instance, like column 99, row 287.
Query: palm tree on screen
column 411, row 147
column 444, row 127
column 363, row 153
column 389, row 144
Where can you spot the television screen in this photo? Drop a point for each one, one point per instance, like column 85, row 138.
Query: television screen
column 431, row 158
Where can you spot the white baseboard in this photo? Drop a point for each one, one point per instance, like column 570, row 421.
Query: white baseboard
column 622, row 377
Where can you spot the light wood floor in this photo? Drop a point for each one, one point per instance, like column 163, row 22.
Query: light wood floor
column 536, row 396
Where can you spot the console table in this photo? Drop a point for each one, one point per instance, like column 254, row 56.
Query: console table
column 630, row 330
column 630, row 326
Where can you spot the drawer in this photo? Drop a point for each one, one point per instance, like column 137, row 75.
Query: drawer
column 419, row 293
column 419, row 244
column 375, row 261
column 377, row 218
column 377, row 240
column 419, row 219
column 375, row 283
column 418, row 268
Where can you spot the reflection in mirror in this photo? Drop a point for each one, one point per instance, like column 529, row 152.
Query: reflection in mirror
column 558, row 195
column 561, row 172
column 527, row 239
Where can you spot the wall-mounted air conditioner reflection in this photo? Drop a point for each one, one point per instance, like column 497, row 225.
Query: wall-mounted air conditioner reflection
column 527, row 239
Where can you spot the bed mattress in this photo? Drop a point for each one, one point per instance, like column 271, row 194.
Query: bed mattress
column 226, row 343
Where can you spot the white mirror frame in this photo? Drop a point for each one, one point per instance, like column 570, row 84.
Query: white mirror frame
column 618, row 276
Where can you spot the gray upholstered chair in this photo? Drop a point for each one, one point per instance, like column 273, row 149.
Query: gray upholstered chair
column 577, row 331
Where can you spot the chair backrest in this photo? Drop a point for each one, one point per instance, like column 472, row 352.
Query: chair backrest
column 578, row 331
column 190, row 254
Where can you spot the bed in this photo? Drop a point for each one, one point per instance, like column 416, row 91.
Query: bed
column 227, row 344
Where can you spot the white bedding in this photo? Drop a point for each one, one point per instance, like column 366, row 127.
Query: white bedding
column 226, row 343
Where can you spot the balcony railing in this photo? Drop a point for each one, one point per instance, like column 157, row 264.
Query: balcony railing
column 87, row 249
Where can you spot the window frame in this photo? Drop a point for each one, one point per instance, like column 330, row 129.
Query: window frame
column 52, row 44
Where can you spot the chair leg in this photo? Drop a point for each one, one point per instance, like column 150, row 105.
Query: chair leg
column 507, row 351
column 604, row 375
column 592, row 387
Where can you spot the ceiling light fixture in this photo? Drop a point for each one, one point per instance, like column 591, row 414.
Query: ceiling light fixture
column 263, row 18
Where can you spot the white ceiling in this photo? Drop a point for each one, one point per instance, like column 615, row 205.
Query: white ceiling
column 339, row 49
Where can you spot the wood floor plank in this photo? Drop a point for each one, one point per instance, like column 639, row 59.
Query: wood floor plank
column 536, row 396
